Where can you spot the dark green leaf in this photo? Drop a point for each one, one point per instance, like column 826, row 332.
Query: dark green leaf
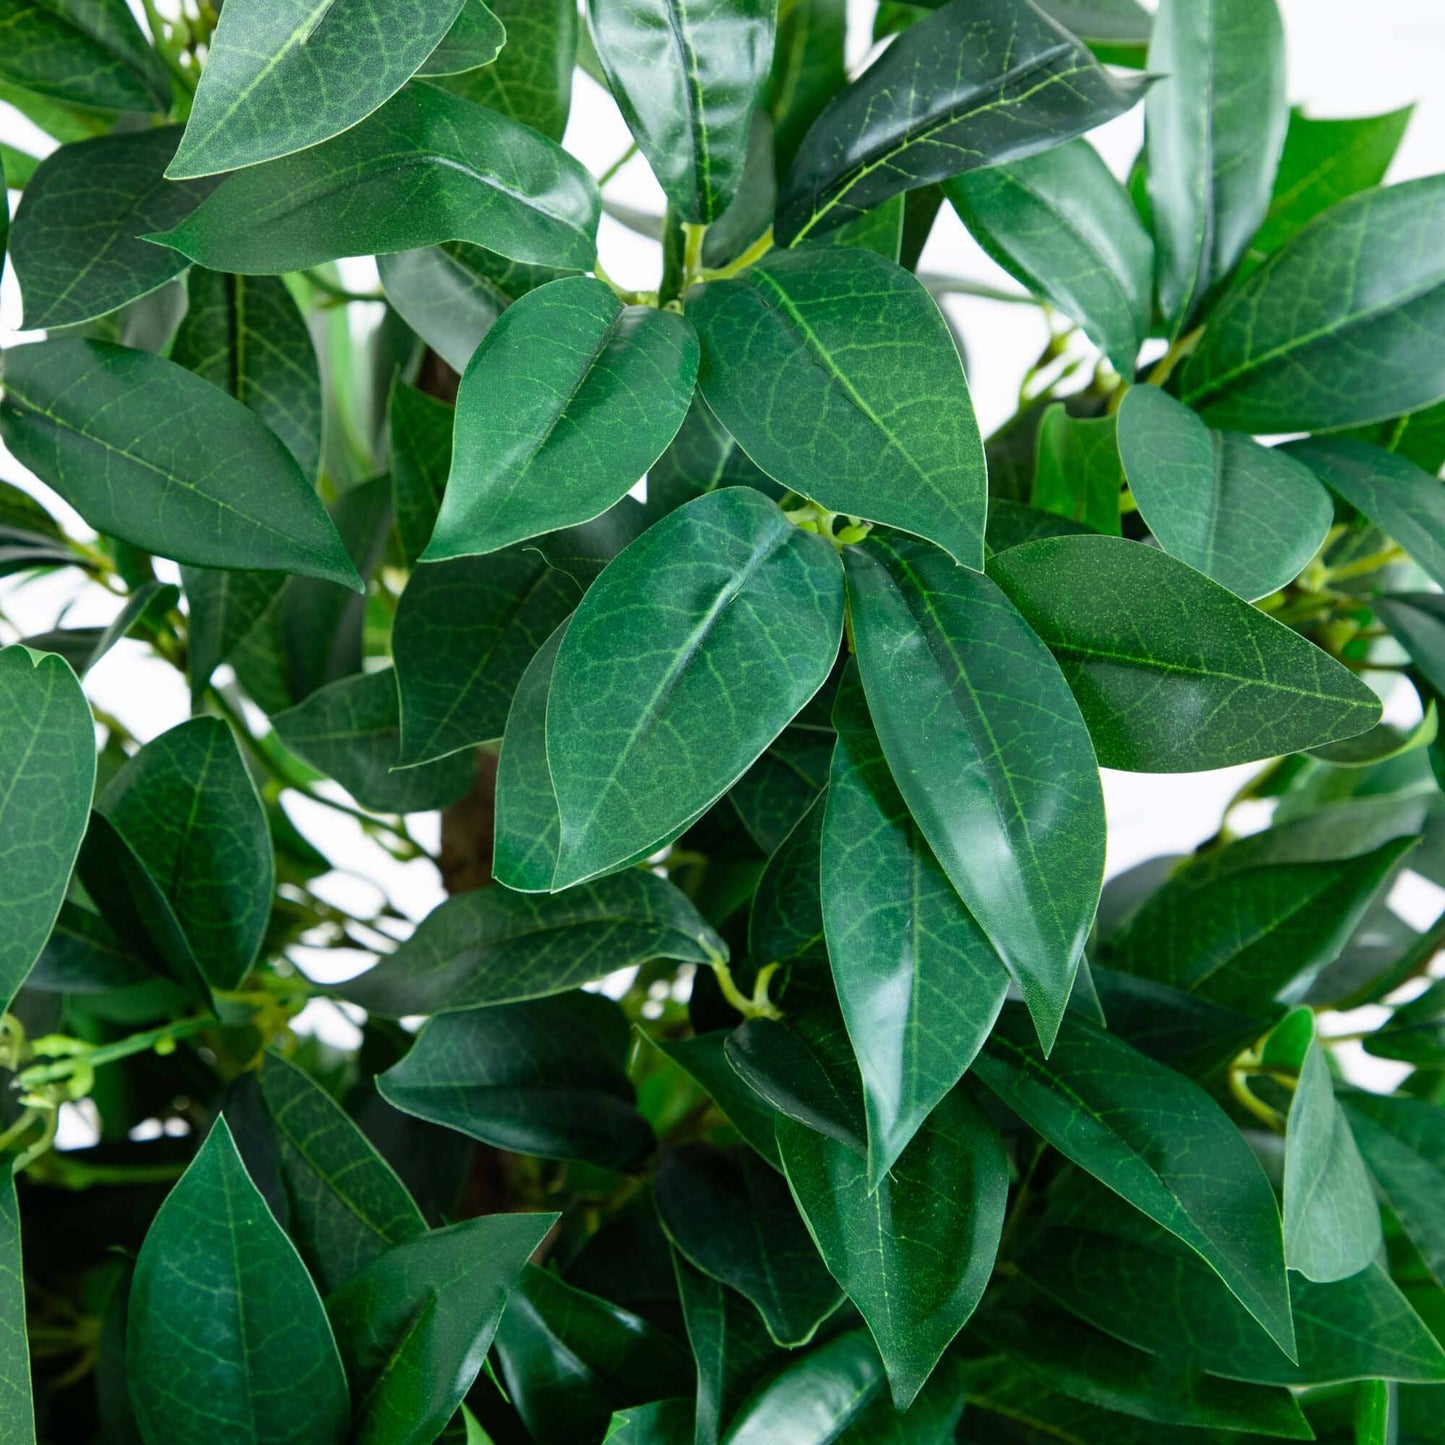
column 222, row 608
column 785, row 924
column 427, row 167
column 1158, row 1141
column 1174, row 673
column 83, row 647
column 1079, row 474
column 475, row 39
column 990, row 753
column 664, row 1422
column 1248, row 516
column 83, row 52
column 977, row 83
column 815, row 1397
column 1334, row 329
column 866, row 410
column 493, row 946
column 1011, row 524
column 721, row 621
column 585, row 551
column 149, row 453
column 703, row 457
column 83, row 956
column 808, row 70
column 1417, row 622
column 704, row 1059
column 421, row 456
column 544, row 1077
column 569, row 399
column 17, row 1413
column 227, row 1337
column 779, row 788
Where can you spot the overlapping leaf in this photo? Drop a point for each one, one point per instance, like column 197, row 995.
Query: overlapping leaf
column 86, row 54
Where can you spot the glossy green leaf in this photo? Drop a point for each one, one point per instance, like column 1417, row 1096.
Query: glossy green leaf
column 815, row 1397
column 351, row 730
column 1331, row 1222
column 785, row 923
column 1248, row 516
column 914, row 1265
column 1216, row 124
column 76, row 243
column 569, row 399
column 464, row 634
column 83, row 52
column 149, row 453
column 704, row 1059
column 968, row 703
column 867, row 410
column 664, row 1422
column 227, row 1337
column 918, row 981
column 346, row 1204
column 427, row 167
column 420, row 434
column 475, row 39
column 973, row 84
column 415, row 1324
column 721, row 621
column 808, row 70
column 283, row 75
column 731, row 1217
column 779, row 788
column 1062, row 225
column 1333, row 330
column 1158, row 1141
column 47, row 757
column 544, row 1077
column 1172, row 672
column 17, row 1411
column 493, row 946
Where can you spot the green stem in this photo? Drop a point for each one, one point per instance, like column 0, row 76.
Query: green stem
column 339, row 293
column 162, row 1039
column 759, row 1005
column 616, row 165
column 941, row 285
column 751, row 256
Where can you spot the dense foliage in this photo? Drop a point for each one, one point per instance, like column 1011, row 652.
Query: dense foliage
column 885, row 1126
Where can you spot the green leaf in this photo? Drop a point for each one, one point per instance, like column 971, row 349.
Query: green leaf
column 918, row 981
column 968, row 704
column 1078, row 475
column 346, row 1204
column 688, row 76
column 544, row 1077
column 1174, row 673
column 1331, row 1222
column 427, row 167
column 284, row 75
column 493, row 946
column 147, row 452
column 866, row 410
column 915, row 1250
column 1248, row 516
column 568, row 400
column 1063, row 226
column 704, row 1059
column 779, row 788
column 47, row 758
column 227, row 1337
column 703, row 456
column 1216, row 124
column 932, row 1419
column 415, row 1324
column 976, row 83
column 808, row 70
column 785, row 923
column 1117, row 30
column 664, row 1422
column 815, row 1397
column 421, row 455
column 17, row 1411
column 246, row 335
column 719, row 622
column 76, row 244
column 475, row 39
column 222, row 608
column 83, row 955
column 1417, row 622
column 1159, row 1142
column 351, row 731
column 1333, row 330
column 730, row 1215
column 463, row 636
column 85, row 52
column 570, row 1360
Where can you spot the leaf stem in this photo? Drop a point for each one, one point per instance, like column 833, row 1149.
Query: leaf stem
column 751, row 256
column 759, row 1006
column 616, row 165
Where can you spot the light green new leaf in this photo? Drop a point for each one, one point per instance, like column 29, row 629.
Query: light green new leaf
column 688, row 75
column 1158, row 1141
column 427, row 167
column 1215, row 127
column 687, row 657
column 76, row 244
column 47, row 761
column 463, row 636
column 916, row 1250
column 918, row 982
column 346, row 1204
column 493, row 946
column 1061, row 224
column 17, row 1410
column 282, row 75
column 227, row 1338
column 1248, row 516
column 147, row 452
column 475, row 39
column 1331, row 1222
column 569, row 399
column 88, row 53
column 1337, row 328
column 866, row 409
column 1174, row 673
column 977, row 83
column 815, row 1397
column 990, row 753
column 415, row 1324
column 544, row 1077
